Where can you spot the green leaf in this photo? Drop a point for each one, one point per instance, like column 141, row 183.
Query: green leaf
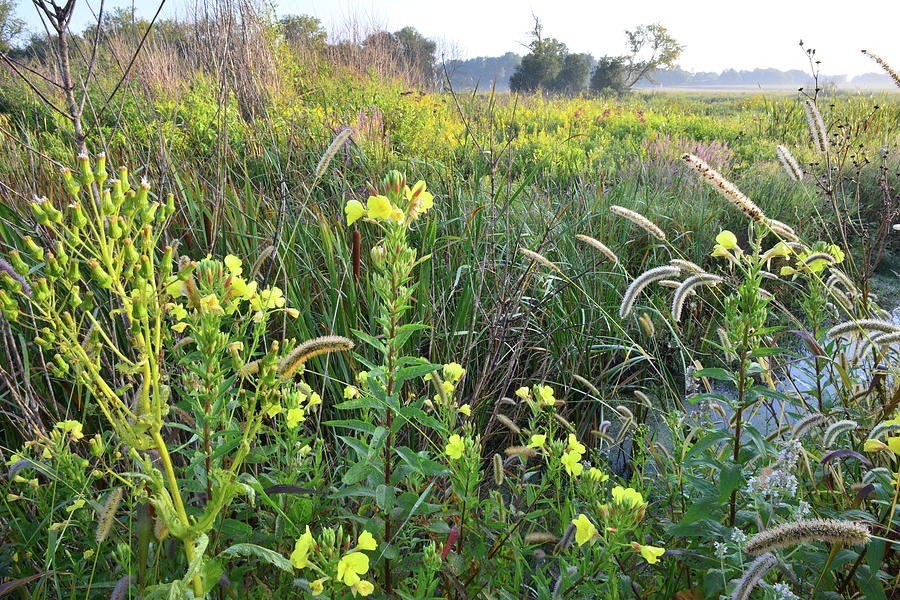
column 365, row 337
column 264, row 554
column 730, row 478
column 716, row 373
column 357, row 473
column 384, row 496
column 422, row 465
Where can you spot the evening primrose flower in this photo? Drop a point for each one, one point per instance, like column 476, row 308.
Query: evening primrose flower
column 379, row 207
column 466, row 410
column 366, row 541
column 720, row 250
column 537, row 441
column 300, row 555
column 351, row 391
column 453, row 372
column 893, row 443
column 727, row 240
column 351, row 566
column 211, row 305
column 363, row 588
column 584, row 530
column 354, row 210
column 627, row 497
column 455, row 448
column 597, row 475
column 572, row 462
column 650, row 553
column 875, row 446
column 294, row 417
column 234, row 265
column 575, row 445
column 179, row 327
column 522, row 392
column 317, row 587
column 544, row 393
column 71, row 427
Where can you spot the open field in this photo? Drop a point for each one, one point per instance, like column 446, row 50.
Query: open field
column 332, row 334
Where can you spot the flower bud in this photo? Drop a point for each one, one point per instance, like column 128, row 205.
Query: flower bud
column 165, row 264
column 78, row 217
column 74, row 271
column 18, row 265
column 377, row 254
column 36, row 252
column 41, row 291
column 14, row 286
column 87, row 176
column 53, row 268
column 61, row 255
column 88, row 300
column 99, row 275
column 145, row 241
column 114, row 228
column 139, row 308
column 75, row 298
column 145, row 270
column 100, row 169
column 149, row 213
column 128, row 204
column 123, row 179
column 170, row 205
column 131, row 255
column 72, row 185
column 54, row 215
column 106, row 204
column 61, row 363
column 140, row 200
column 39, row 215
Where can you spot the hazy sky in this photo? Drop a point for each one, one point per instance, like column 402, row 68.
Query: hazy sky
column 716, row 34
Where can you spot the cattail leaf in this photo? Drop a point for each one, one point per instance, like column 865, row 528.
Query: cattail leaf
column 827, row 458
column 264, row 554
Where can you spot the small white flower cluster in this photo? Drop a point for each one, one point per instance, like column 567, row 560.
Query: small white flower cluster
column 783, row 592
column 776, row 484
column 738, row 537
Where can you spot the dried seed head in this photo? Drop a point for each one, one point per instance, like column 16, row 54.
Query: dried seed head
column 786, row 535
column 107, row 514
column 727, row 189
column 639, row 220
column 599, row 246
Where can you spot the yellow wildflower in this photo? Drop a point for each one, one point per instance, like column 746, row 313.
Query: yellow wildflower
column 211, row 305
column 575, row 445
column 366, row 541
column 727, row 240
column 544, row 393
column 537, row 441
column 453, row 372
column 522, row 392
column 295, row 416
column 466, row 410
column 351, row 391
column 363, row 588
column 351, row 566
column 300, row 555
column 627, row 497
column 234, row 265
column 650, row 553
column 584, row 530
column 354, row 210
column 597, row 475
column 317, row 587
column 572, row 462
column 379, row 207
column 875, row 446
column 455, row 447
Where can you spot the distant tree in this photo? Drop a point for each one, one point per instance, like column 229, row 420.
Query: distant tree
column 651, row 47
column 540, row 67
column 303, row 30
column 417, row 51
column 10, row 26
column 574, row 73
column 610, row 76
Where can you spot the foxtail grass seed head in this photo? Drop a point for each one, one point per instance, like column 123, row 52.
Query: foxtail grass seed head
column 294, row 361
column 648, row 277
column 107, row 514
column 887, row 68
column 687, row 267
column 639, row 220
column 498, row 470
column 539, row 258
column 597, row 244
column 566, row 541
column 260, row 261
column 752, row 576
column 836, row 429
column 816, row 125
column 837, row 276
column 643, row 398
column 789, row 162
column 786, row 535
column 865, row 326
column 564, row 422
column 673, row 284
column 520, row 451
column 646, row 323
column 802, row 427
column 689, row 285
column 507, row 422
column 332, row 149
column 882, row 429
column 626, row 427
column 120, row 591
column 886, row 339
column 823, row 256
column 727, row 189
column 540, row 537
column 624, row 413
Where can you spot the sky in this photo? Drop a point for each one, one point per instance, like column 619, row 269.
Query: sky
column 716, row 34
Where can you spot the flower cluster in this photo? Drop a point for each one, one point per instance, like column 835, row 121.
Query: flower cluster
column 347, row 570
column 380, row 208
